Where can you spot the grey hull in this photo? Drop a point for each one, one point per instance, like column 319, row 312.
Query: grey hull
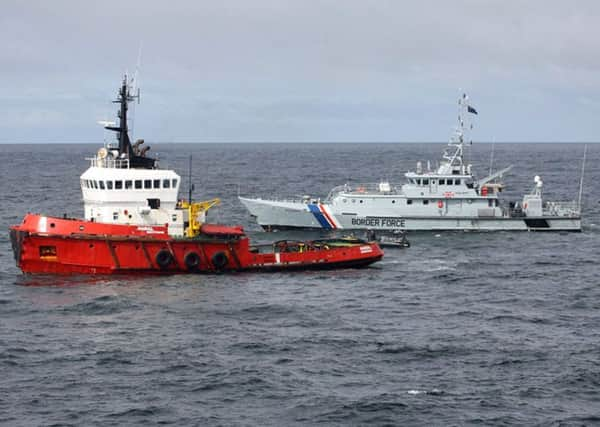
column 272, row 214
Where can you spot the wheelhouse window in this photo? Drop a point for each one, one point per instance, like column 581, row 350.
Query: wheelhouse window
column 101, row 183
column 109, row 185
column 118, row 185
column 419, row 181
column 156, row 183
column 409, row 202
column 95, row 183
column 442, row 182
column 166, row 183
column 426, row 182
column 425, row 202
column 128, row 184
column 147, row 183
column 138, row 184
column 457, row 182
column 174, row 183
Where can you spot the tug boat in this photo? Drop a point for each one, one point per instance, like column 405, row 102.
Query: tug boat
column 449, row 197
column 134, row 223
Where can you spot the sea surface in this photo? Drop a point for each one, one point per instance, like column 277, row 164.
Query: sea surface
column 459, row 329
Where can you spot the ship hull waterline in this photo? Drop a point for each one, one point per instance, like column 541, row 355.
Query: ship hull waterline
column 288, row 216
column 100, row 254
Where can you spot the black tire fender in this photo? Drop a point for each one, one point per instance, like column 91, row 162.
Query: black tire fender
column 192, row 261
column 219, row 260
column 164, row 258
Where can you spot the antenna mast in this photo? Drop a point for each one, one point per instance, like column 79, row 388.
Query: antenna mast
column 581, row 182
column 190, row 185
column 492, row 156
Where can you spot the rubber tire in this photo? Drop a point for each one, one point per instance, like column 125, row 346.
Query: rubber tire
column 192, row 261
column 164, row 259
column 219, row 260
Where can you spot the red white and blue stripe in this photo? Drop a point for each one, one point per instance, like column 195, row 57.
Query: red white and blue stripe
column 324, row 216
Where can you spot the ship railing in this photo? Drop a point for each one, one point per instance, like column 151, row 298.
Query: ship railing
column 364, row 188
column 110, row 163
column 567, row 209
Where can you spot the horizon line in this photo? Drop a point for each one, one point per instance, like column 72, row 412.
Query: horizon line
column 300, row 142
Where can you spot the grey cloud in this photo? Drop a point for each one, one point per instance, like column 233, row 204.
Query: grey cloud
column 322, row 68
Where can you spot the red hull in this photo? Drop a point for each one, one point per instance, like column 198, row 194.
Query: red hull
column 49, row 245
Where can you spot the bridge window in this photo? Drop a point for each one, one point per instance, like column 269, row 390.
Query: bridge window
column 147, row 183
column 109, row 185
column 393, row 201
column 95, row 183
column 166, row 183
column 174, row 183
column 425, row 201
column 360, row 201
column 426, row 182
column 457, row 182
column 156, row 183
column 115, row 216
column 419, row 181
column 442, row 182
column 101, row 185
column 138, row 184
column 118, row 185
column 409, row 202
column 128, row 184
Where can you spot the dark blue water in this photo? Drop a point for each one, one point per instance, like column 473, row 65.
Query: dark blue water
column 460, row 329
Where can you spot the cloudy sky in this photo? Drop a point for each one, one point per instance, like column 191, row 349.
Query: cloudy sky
column 306, row 70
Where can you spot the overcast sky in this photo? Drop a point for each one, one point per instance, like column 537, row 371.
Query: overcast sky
column 306, row 70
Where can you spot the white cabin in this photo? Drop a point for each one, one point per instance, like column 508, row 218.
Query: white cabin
column 114, row 193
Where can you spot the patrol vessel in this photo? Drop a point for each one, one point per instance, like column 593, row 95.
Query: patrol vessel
column 134, row 223
column 449, row 197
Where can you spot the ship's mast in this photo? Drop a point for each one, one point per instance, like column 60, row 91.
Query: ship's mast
column 126, row 150
column 453, row 155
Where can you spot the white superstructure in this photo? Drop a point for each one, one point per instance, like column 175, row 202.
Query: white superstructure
column 115, row 193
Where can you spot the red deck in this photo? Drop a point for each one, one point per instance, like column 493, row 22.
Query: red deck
column 65, row 246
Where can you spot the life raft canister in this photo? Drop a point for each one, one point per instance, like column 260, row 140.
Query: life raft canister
column 484, row 191
column 192, row 261
column 219, row 260
column 164, row 258
column 440, row 204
